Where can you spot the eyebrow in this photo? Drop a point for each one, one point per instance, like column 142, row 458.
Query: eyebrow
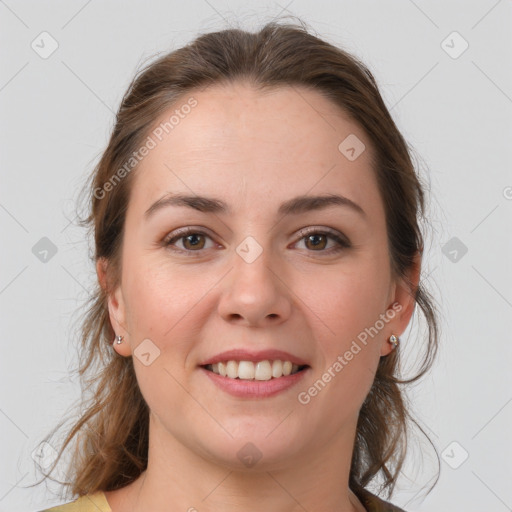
column 294, row 206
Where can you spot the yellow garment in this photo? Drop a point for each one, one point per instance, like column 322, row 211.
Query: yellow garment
column 96, row 502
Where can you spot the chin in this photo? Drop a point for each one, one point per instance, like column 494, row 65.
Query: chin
column 256, row 450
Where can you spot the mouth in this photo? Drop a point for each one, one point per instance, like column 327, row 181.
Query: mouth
column 255, row 380
column 264, row 370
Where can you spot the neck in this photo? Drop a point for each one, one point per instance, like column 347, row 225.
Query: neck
column 180, row 478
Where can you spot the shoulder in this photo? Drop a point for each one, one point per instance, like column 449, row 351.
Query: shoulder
column 373, row 503
column 94, row 502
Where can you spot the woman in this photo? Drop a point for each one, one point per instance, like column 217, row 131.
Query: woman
column 258, row 250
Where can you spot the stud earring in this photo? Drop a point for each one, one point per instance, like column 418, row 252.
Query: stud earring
column 394, row 340
column 119, row 339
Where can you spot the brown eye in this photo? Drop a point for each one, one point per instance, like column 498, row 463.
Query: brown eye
column 191, row 241
column 316, row 241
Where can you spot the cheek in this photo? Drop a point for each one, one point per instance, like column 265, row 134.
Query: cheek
column 346, row 300
column 161, row 298
column 345, row 308
column 163, row 305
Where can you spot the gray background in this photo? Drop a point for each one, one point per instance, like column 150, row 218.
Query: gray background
column 454, row 110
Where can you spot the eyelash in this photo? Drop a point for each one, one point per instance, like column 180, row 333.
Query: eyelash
column 342, row 242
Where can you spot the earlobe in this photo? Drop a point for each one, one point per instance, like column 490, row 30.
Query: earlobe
column 116, row 310
column 403, row 304
column 116, row 307
column 392, row 343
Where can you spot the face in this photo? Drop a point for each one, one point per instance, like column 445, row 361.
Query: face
column 262, row 273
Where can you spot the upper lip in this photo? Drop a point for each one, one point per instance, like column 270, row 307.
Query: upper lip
column 240, row 354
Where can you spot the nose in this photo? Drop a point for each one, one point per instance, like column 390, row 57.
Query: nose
column 255, row 293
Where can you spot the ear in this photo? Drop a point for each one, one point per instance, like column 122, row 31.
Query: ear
column 116, row 306
column 402, row 297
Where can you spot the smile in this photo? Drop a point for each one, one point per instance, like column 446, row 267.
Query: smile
column 252, row 388
column 248, row 370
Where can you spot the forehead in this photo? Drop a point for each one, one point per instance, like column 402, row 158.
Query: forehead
column 251, row 146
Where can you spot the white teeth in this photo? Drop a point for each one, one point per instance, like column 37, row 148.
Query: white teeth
column 247, row 370
column 263, row 370
column 232, row 369
column 277, row 368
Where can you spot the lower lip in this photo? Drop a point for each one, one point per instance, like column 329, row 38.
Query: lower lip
column 255, row 388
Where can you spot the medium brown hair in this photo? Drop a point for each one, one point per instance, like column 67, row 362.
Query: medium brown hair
column 111, row 434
